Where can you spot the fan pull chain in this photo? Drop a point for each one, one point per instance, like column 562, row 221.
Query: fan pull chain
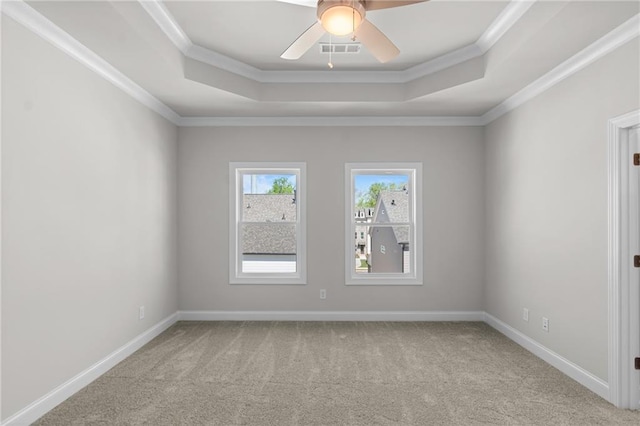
column 353, row 20
column 330, row 52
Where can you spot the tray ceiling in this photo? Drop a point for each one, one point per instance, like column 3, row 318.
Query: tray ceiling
column 221, row 58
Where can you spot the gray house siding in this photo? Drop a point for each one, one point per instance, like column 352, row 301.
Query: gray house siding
column 386, row 253
column 390, row 250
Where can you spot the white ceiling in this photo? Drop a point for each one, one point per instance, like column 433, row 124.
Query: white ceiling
column 221, row 58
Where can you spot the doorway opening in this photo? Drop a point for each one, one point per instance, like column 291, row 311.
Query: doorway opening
column 624, row 276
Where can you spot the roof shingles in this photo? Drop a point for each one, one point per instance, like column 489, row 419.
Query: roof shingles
column 269, row 224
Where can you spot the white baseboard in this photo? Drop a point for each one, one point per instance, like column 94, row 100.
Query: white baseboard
column 40, row 407
column 586, row 379
column 330, row 315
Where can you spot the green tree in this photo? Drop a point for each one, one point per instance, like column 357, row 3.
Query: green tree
column 370, row 198
column 281, row 185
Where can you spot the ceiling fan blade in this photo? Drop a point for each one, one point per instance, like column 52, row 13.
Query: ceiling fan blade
column 304, row 42
column 308, row 3
column 386, row 4
column 376, row 42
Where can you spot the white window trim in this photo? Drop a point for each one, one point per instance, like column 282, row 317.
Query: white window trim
column 351, row 278
column 235, row 206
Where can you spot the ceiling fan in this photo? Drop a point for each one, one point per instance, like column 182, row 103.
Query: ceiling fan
column 343, row 17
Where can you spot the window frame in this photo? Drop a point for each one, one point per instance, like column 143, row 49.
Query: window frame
column 414, row 171
column 236, row 171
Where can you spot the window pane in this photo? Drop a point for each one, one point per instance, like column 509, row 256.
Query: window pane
column 268, row 183
column 268, row 247
column 273, row 208
column 268, row 236
column 384, row 250
column 381, row 198
column 369, row 188
column 269, row 198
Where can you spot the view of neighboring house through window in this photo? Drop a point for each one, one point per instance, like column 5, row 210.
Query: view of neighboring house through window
column 267, row 229
column 383, row 211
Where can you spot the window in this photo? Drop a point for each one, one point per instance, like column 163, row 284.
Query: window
column 267, row 223
column 389, row 250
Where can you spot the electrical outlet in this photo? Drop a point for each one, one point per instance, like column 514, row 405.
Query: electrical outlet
column 323, row 294
column 141, row 312
column 525, row 314
column 545, row 324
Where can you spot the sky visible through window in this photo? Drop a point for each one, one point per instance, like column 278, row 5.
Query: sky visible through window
column 263, row 182
column 362, row 183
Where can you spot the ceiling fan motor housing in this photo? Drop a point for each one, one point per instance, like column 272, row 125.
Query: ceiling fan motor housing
column 325, row 6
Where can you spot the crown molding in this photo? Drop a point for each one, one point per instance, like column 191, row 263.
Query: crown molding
column 25, row 15
column 328, row 121
column 168, row 24
column 605, row 45
column 443, row 62
column 503, row 23
column 307, row 3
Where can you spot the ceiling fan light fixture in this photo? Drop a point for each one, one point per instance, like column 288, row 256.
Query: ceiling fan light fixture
column 343, row 17
column 340, row 20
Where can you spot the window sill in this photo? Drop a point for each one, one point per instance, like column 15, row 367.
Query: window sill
column 383, row 281
column 267, row 281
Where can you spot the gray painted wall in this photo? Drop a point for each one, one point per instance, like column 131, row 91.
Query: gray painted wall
column 88, row 220
column 546, row 171
column 453, row 215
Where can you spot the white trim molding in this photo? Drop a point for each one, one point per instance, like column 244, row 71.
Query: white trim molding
column 619, row 260
column 25, row 15
column 343, row 121
column 1, row 233
column 586, row 379
column 163, row 18
column 503, row 23
column 330, row 316
column 40, row 407
column 605, row 45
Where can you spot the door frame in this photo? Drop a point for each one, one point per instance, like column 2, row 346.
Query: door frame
column 621, row 329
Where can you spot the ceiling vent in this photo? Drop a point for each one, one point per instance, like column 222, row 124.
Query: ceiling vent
column 340, row 48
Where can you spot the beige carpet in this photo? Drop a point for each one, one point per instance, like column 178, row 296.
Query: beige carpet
column 334, row 373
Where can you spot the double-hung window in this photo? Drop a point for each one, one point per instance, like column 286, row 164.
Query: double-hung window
column 384, row 213
column 267, row 223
